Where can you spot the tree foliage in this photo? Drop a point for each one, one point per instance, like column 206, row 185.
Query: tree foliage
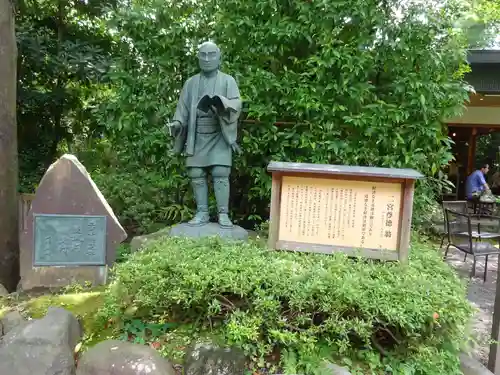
column 367, row 83
column 482, row 23
column 63, row 54
column 291, row 310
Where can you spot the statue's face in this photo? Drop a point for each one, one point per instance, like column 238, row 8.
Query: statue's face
column 209, row 57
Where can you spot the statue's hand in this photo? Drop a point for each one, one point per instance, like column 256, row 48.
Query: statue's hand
column 214, row 109
column 174, row 128
column 236, row 149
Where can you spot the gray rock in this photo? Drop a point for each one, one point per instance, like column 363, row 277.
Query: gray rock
column 67, row 189
column 333, row 369
column 205, row 358
column 3, row 291
column 58, row 328
column 208, row 230
column 36, row 359
column 11, row 320
column 19, row 288
column 113, row 357
column 138, row 242
column 43, row 346
column 471, row 366
column 184, row 230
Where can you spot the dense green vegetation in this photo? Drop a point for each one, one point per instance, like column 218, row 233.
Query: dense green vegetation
column 287, row 311
column 483, row 24
column 368, row 83
column 297, row 308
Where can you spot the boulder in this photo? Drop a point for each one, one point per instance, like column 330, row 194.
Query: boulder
column 58, row 328
column 205, row 358
column 3, row 291
column 333, row 369
column 209, row 230
column 11, row 320
column 113, row 357
column 67, row 189
column 45, row 346
column 34, row 359
column 139, row 242
column 184, row 230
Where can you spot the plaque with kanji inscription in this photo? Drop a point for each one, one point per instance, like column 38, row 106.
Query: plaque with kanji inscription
column 326, row 208
column 357, row 214
column 69, row 240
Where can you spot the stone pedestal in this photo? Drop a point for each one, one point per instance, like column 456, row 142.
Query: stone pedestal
column 208, row 230
column 185, row 230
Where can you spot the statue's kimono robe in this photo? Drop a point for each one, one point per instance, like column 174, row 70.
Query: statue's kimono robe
column 205, row 138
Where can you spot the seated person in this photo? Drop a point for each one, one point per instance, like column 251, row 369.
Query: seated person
column 476, row 183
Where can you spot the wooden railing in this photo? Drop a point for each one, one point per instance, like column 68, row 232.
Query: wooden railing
column 24, row 205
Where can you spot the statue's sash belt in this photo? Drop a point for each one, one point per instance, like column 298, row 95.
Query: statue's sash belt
column 207, row 125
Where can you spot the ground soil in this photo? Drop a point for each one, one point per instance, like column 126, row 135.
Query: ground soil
column 482, row 296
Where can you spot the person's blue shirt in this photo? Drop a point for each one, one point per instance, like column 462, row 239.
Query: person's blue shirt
column 475, row 182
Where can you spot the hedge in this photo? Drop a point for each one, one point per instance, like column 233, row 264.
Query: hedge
column 288, row 311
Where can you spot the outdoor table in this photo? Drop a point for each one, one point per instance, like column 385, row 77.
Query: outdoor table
column 485, row 219
column 477, row 204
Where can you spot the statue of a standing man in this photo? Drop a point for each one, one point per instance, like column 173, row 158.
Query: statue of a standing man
column 205, row 131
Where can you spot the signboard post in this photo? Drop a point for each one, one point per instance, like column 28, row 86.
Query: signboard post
column 326, row 208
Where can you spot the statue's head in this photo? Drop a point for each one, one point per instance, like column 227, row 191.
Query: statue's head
column 209, row 57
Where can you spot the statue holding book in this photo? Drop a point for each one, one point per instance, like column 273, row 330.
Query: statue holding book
column 204, row 128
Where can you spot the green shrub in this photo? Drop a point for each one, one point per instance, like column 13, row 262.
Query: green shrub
column 371, row 315
column 343, row 91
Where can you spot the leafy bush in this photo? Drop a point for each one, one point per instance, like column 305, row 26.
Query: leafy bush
column 359, row 86
column 375, row 317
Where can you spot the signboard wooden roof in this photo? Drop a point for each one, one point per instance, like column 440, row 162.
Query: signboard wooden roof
column 344, row 170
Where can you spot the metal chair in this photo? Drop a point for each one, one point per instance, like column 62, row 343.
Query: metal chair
column 457, row 206
column 464, row 238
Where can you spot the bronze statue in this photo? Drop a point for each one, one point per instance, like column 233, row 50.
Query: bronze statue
column 205, row 130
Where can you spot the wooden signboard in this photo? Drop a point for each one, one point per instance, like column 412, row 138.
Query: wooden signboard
column 327, row 208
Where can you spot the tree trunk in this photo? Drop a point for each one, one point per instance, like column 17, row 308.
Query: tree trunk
column 9, row 236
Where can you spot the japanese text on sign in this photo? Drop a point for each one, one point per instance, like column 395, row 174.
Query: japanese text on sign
column 348, row 213
column 69, row 240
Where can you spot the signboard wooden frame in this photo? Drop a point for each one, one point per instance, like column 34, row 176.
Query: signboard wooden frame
column 385, row 191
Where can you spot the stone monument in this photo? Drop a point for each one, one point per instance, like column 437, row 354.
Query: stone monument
column 204, row 128
column 71, row 233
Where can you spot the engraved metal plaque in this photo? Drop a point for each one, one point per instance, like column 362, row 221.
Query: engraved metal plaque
column 69, row 240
